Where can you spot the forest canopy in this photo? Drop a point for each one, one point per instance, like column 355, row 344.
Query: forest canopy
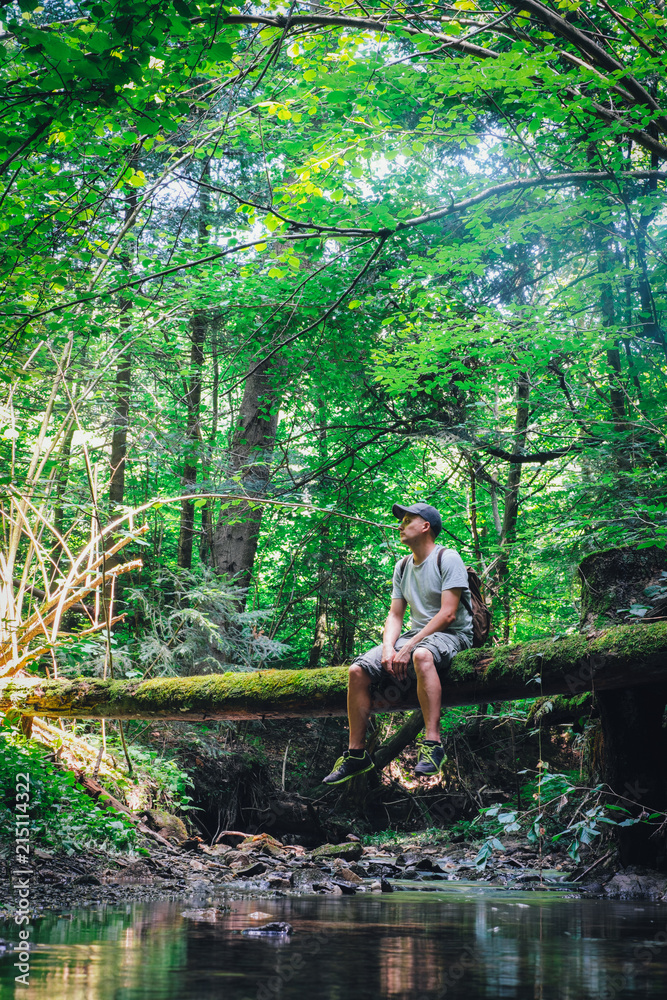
column 289, row 263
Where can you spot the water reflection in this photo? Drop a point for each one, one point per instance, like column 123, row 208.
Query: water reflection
column 464, row 944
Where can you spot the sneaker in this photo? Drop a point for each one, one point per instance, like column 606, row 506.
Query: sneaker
column 432, row 758
column 347, row 767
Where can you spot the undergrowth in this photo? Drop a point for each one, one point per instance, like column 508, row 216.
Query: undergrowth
column 563, row 812
column 61, row 815
column 169, row 783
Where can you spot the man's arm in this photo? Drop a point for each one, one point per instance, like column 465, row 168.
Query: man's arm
column 449, row 603
column 392, row 630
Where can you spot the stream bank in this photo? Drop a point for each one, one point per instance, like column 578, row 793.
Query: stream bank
column 260, row 824
column 263, row 867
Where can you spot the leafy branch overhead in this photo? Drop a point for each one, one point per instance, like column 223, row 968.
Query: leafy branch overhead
column 320, row 257
column 114, row 46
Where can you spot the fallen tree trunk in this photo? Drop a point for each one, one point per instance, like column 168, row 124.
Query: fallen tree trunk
column 624, row 656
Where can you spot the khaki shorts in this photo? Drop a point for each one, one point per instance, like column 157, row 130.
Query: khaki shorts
column 442, row 645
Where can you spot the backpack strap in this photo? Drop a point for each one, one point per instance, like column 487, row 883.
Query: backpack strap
column 466, row 604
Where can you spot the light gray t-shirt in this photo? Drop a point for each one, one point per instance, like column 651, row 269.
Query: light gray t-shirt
column 422, row 586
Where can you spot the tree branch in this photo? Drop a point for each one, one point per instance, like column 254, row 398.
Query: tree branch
column 311, row 231
column 559, row 26
column 548, row 180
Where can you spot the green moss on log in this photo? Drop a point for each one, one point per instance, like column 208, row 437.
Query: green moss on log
column 559, row 708
column 523, row 661
column 238, row 695
column 622, row 657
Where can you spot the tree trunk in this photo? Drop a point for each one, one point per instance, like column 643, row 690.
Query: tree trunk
column 407, row 734
column 626, row 656
column 634, row 750
column 121, row 419
column 320, row 637
column 472, row 512
column 112, row 591
column 345, row 590
column 206, row 540
column 324, row 571
column 605, row 264
column 193, row 398
column 613, row 580
column 121, row 413
column 62, row 477
column 511, row 508
column 193, row 402
column 649, row 314
column 634, row 741
column 237, row 532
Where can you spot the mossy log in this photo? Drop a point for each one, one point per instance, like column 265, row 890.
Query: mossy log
column 622, row 657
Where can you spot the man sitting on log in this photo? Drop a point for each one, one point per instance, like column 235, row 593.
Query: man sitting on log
column 433, row 581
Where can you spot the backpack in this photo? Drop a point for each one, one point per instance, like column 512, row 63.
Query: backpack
column 481, row 616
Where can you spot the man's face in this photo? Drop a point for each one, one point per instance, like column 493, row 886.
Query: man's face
column 412, row 526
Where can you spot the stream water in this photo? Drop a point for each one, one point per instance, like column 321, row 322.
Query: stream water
column 464, row 942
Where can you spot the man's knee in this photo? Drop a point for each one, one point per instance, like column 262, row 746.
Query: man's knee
column 357, row 676
column 423, row 659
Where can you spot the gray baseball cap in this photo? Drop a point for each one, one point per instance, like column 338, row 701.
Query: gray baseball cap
column 424, row 510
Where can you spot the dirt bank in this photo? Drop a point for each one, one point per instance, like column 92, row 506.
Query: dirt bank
column 263, row 866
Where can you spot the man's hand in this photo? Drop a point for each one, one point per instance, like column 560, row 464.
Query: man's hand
column 402, row 662
column 388, row 656
column 392, row 630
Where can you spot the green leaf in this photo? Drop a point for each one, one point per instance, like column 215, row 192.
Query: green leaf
column 272, row 222
column 221, row 50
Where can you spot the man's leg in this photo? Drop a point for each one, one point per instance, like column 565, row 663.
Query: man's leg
column 356, row 760
column 358, row 705
column 429, row 692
